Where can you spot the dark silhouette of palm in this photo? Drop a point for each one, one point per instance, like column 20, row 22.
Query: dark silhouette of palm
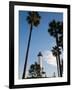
column 61, row 41
column 33, row 19
column 61, row 35
column 55, row 52
column 54, row 30
column 62, row 66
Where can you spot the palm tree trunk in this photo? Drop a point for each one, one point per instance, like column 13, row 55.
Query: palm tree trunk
column 60, row 66
column 58, row 56
column 27, row 52
column 57, row 66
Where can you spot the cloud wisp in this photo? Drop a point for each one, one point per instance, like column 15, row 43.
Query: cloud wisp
column 49, row 58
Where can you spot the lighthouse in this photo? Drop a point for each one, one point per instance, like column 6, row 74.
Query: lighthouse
column 40, row 56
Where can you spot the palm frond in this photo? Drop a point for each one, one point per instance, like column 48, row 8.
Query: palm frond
column 33, row 18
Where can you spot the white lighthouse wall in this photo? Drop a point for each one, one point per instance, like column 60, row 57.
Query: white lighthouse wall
column 40, row 61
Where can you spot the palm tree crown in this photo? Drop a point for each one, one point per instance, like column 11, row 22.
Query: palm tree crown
column 56, row 50
column 54, row 28
column 33, row 18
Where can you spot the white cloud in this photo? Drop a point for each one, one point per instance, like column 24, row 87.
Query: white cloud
column 49, row 58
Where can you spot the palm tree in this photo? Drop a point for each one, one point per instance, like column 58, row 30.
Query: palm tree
column 54, row 30
column 55, row 52
column 33, row 19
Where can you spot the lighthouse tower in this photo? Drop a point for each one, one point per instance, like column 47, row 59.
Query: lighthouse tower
column 40, row 56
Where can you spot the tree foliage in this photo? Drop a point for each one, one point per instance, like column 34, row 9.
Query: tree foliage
column 33, row 18
column 34, row 71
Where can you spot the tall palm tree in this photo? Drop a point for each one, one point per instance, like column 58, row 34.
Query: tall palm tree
column 54, row 30
column 55, row 52
column 33, row 19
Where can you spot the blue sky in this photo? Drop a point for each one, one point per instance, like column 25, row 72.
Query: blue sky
column 40, row 41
